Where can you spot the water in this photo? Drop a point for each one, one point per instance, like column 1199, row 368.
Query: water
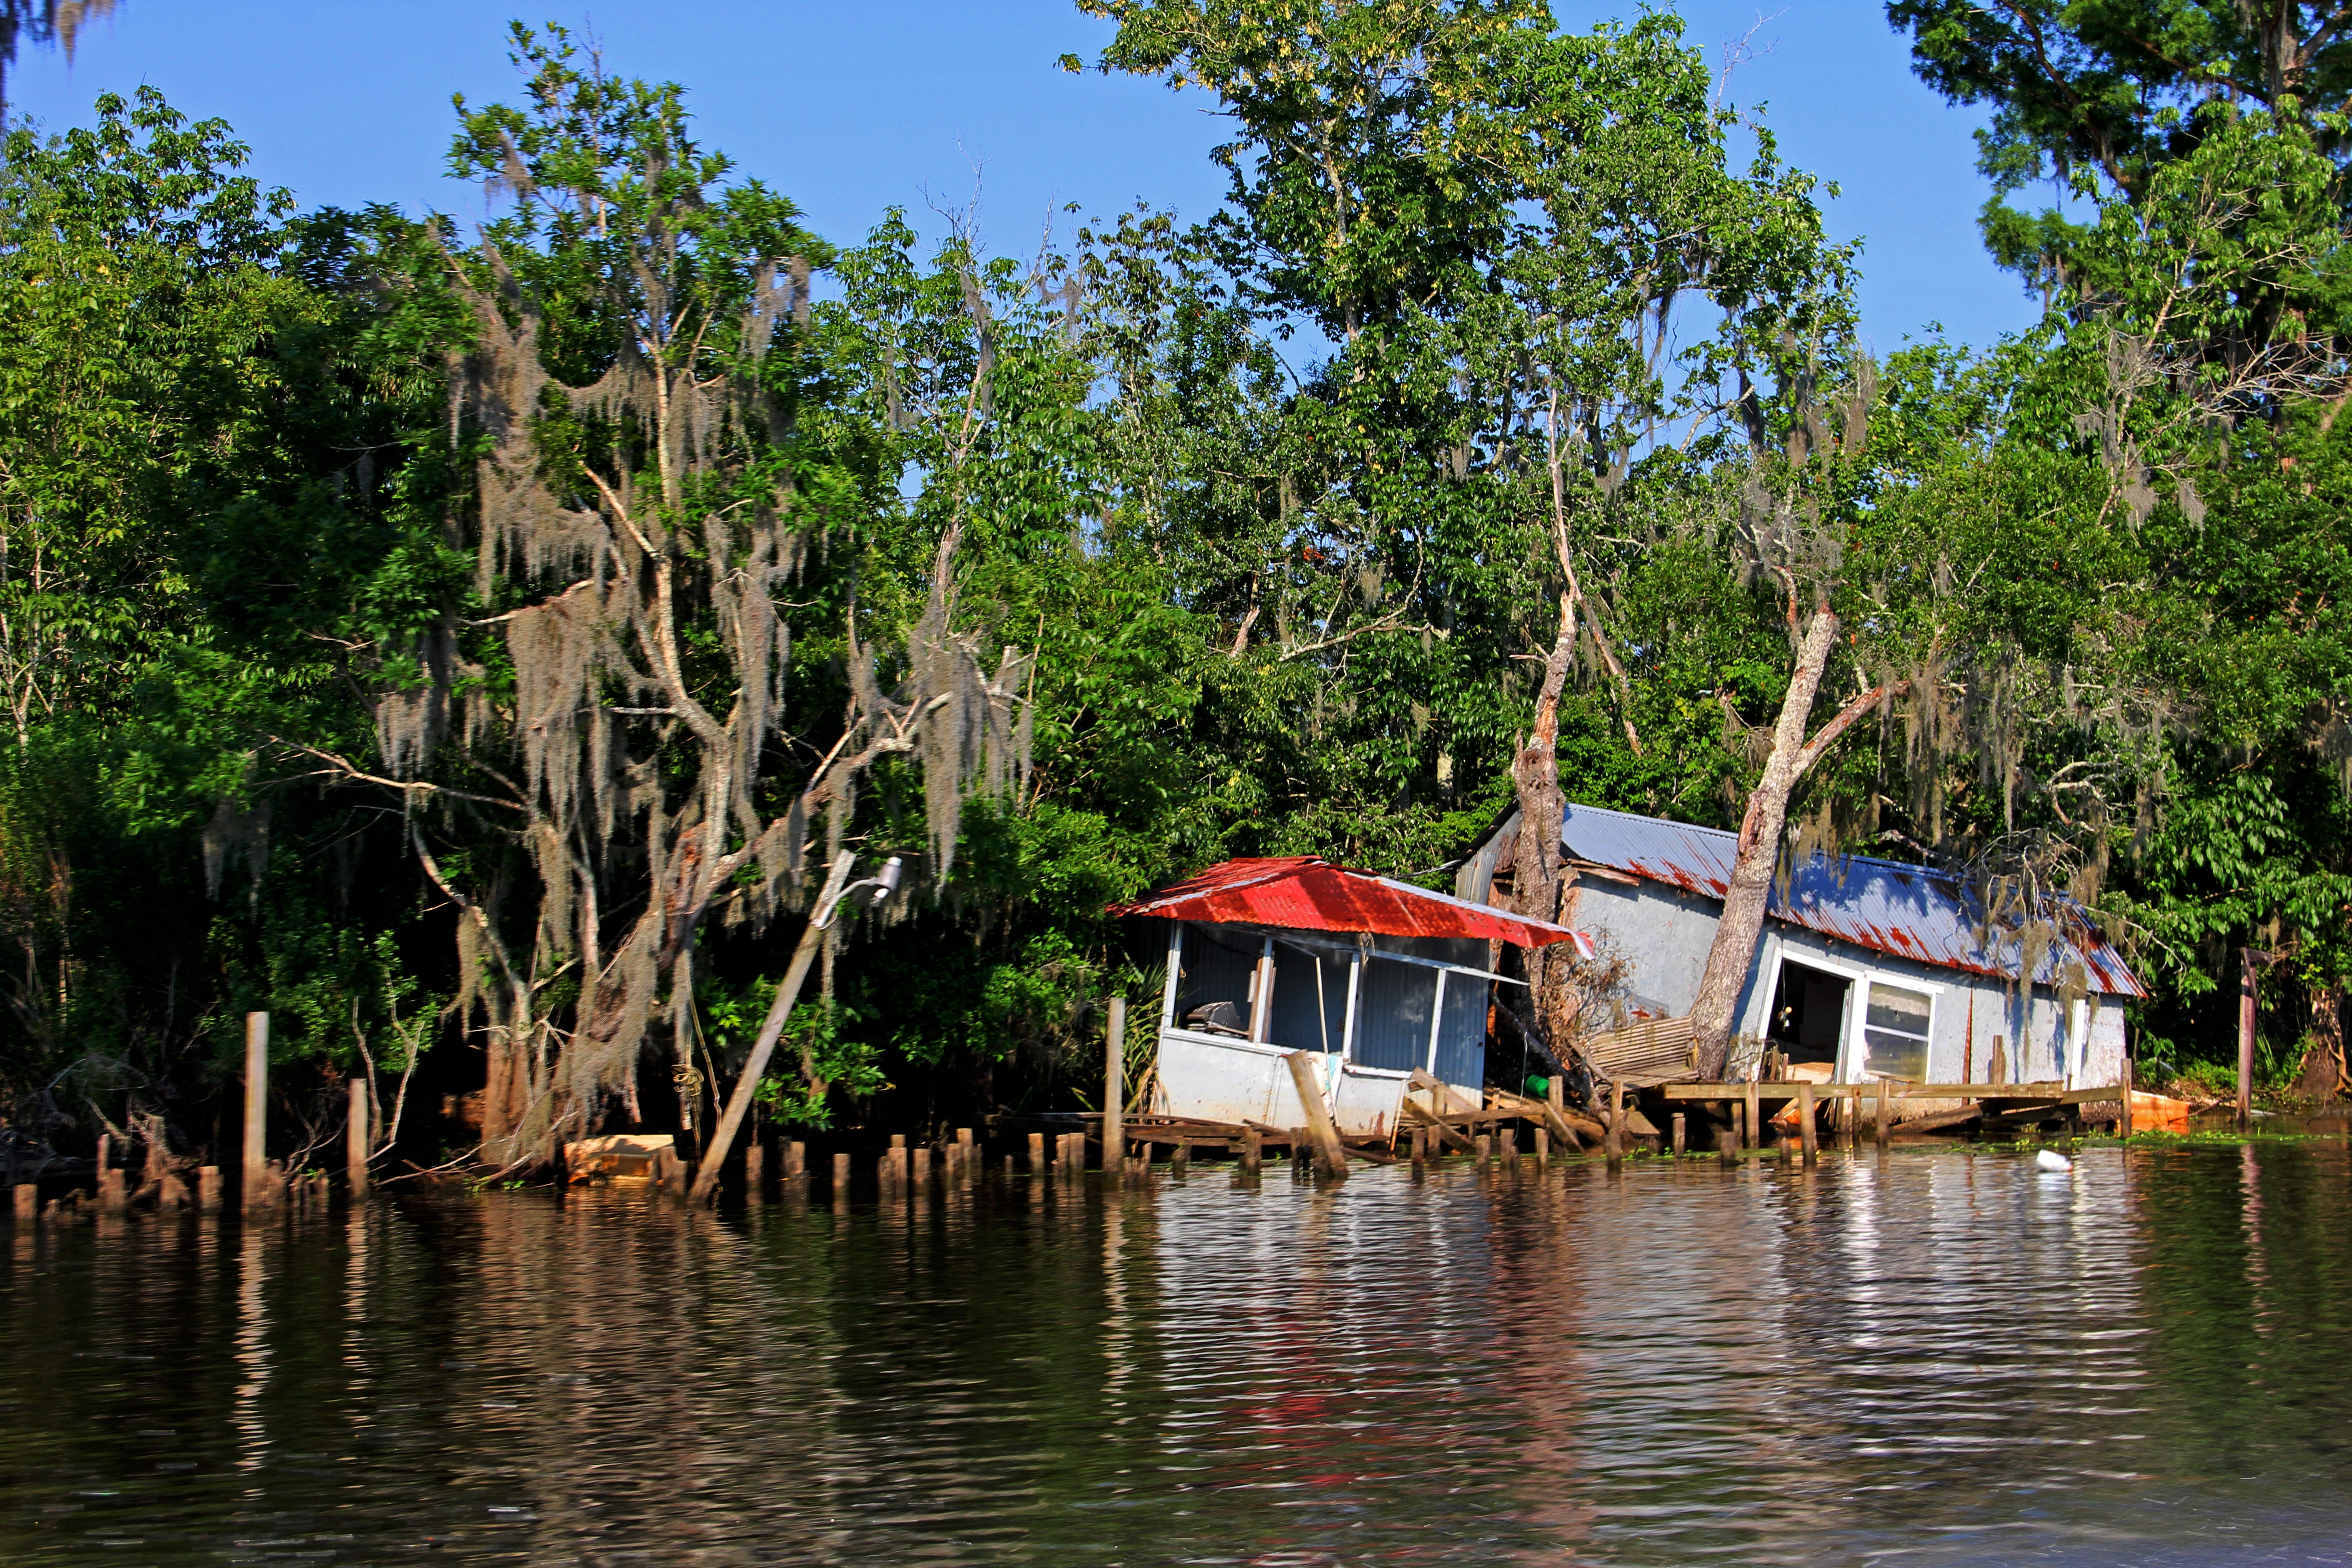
column 1941, row 1357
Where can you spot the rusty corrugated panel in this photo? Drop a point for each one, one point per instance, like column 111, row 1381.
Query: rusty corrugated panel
column 1304, row 893
column 1882, row 905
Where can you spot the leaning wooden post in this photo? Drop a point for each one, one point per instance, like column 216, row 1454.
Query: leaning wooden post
column 771, row 1029
column 1805, row 1123
column 1330, row 1154
column 357, row 1132
column 1114, row 1134
column 257, row 1109
column 1884, row 1111
column 2245, row 1038
column 2123, row 1119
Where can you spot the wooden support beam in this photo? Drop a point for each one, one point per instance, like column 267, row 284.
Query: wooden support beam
column 256, row 1190
column 1114, row 1084
column 357, row 1135
column 1444, row 1126
column 1805, row 1127
column 2247, row 984
column 1330, row 1154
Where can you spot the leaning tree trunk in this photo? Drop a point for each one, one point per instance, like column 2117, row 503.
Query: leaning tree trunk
column 1733, row 955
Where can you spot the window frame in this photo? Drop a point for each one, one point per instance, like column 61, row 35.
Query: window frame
column 1856, row 1065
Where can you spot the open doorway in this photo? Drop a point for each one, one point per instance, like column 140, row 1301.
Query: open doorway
column 1810, row 1011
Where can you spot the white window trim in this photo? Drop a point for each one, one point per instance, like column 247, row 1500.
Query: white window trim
column 1853, row 1071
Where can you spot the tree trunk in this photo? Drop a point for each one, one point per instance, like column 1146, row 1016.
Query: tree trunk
column 2323, row 1071
column 1534, row 869
column 1734, row 952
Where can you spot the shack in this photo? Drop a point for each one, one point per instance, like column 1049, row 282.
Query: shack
column 1381, row 982
column 1868, row 969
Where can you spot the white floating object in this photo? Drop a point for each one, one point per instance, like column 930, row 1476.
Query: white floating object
column 2051, row 1159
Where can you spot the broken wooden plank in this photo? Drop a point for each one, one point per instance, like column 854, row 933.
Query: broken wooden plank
column 1558, row 1119
column 1437, row 1124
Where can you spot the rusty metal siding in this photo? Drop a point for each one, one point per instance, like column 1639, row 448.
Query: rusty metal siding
column 1887, row 907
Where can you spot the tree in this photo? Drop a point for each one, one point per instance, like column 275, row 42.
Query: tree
column 606, row 726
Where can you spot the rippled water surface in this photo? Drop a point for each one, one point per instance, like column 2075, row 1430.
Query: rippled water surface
column 1938, row 1356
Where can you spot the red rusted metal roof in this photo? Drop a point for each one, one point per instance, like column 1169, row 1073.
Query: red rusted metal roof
column 1300, row 893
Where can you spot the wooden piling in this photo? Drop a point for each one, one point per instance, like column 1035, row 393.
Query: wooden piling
column 1810, row 1135
column 256, row 1111
column 1886, row 1112
column 1543, row 1148
column 1180, row 1163
column 1114, row 1133
column 2124, row 1118
column 755, row 1170
column 1253, row 1150
column 1036, row 1154
column 2246, row 998
column 795, row 1161
column 921, row 1156
column 208, row 1188
column 1485, row 1149
column 28, row 1203
column 172, row 1191
column 358, row 1134
column 1751, row 1131
column 967, row 1157
column 841, row 1178
column 1330, row 1154
column 1679, row 1135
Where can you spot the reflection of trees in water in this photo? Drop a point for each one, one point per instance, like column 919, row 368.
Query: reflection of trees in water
column 1768, row 1365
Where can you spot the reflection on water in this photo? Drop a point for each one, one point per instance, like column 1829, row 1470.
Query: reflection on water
column 1941, row 1355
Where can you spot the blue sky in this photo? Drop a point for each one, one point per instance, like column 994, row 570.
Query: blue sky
column 850, row 109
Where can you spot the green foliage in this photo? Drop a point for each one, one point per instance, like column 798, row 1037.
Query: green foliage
column 1281, row 507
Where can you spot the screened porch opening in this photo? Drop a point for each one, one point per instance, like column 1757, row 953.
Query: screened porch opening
column 1404, row 985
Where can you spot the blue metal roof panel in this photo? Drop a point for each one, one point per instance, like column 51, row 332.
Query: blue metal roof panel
column 1883, row 905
